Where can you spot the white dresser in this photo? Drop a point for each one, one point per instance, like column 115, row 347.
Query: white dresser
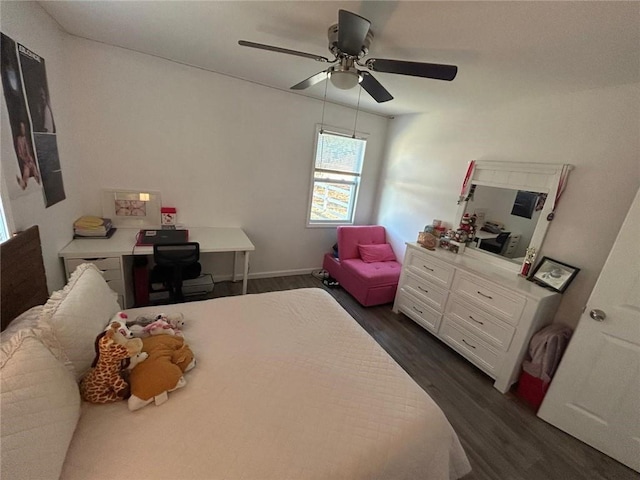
column 511, row 245
column 485, row 313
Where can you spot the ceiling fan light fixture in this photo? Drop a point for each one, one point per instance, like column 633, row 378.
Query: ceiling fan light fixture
column 344, row 79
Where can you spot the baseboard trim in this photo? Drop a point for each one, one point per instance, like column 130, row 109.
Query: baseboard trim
column 272, row 274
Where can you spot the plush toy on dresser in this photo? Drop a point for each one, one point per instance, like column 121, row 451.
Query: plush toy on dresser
column 467, row 229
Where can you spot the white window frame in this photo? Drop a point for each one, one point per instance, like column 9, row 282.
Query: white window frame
column 356, row 183
column 6, row 225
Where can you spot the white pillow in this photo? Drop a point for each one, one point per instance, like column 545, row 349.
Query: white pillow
column 73, row 317
column 24, row 321
column 40, row 405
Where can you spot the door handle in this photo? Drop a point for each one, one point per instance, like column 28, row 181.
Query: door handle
column 597, row 315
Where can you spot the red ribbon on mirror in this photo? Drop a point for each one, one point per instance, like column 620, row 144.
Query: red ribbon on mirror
column 465, row 182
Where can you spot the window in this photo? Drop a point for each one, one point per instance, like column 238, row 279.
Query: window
column 4, row 229
column 336, row 177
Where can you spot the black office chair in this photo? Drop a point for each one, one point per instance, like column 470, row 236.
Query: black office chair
column 175, row 262
column 495, row 245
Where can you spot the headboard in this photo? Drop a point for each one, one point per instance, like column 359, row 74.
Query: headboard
column 23, row 283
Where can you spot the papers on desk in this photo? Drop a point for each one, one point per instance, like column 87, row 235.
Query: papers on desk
column 93, row 227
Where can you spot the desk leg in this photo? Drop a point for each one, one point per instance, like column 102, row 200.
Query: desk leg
column 245, row 273
column 234, row 276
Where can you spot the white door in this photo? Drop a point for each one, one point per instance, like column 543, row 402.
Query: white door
column 595, row 394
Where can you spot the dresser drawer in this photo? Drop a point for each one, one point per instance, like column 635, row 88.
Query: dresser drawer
column 423, row 266
column 420, row 313
column 425, row 291
column 493, row 331
column 510, row 251
column 494, row 299
column 108, row 263
column 470, row 346
column 110, row 275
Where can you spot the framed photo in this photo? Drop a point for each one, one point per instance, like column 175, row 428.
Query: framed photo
column 553, row 274
column 524, row 204
column 131, row 208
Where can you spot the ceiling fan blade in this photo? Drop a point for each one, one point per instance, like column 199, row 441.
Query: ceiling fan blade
column 352, row 32
column 271, row 48
column 374, row 88
column 416, row 69
column 311, row 81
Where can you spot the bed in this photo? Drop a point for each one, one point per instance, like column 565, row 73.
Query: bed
column 287, row 386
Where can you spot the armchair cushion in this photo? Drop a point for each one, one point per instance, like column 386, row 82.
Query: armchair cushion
column 349, row 237
column 376, row 253
column 373, row 274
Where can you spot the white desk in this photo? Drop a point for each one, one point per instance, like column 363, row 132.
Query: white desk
column 114, row 256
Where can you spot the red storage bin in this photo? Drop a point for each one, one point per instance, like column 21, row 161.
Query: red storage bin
column 532, row 390
column 141, row 284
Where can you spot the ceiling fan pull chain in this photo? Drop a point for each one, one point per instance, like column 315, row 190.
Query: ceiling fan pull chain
column 324, row 102
column 357, row 109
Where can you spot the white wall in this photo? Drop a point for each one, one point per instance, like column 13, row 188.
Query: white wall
column 223, row 151
column 595, row 130
column 28, row 24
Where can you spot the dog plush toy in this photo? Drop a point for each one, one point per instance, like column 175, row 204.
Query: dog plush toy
column 162, row 372
column 121, row 319
column 103, row 383
column 176, row 320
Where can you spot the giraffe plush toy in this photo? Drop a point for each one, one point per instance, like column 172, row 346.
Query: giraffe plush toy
column 103, row 383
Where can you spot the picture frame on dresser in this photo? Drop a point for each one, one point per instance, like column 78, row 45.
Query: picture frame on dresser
column 554, row 275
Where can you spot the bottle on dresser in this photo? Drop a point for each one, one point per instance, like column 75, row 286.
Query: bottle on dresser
column 529, row 258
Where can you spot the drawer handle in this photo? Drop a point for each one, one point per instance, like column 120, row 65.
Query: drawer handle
column 485, row 296
column 424, row 290
column 430, row 269
column 417, row 310
column 477, row 321
column 468, row 344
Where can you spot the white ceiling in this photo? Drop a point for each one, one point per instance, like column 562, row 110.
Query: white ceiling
column 503, row 50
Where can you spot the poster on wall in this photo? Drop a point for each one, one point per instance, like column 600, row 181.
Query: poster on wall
column 33, row 130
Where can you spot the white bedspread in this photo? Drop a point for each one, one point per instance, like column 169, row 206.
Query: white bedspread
column 287, row 386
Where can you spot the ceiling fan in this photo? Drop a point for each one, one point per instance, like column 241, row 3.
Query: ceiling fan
column 349, row 42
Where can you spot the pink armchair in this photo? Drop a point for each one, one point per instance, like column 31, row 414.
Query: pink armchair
column 372, row 280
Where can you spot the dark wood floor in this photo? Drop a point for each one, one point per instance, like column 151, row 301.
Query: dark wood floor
column 502, row 437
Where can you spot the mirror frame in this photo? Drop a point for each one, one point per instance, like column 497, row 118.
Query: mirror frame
column 533, row 177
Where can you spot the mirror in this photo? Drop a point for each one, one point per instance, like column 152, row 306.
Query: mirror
column 516, row 212
column 514, row 198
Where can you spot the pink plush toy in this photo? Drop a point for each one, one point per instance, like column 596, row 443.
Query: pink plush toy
column 159, row 327
column 143, row 326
